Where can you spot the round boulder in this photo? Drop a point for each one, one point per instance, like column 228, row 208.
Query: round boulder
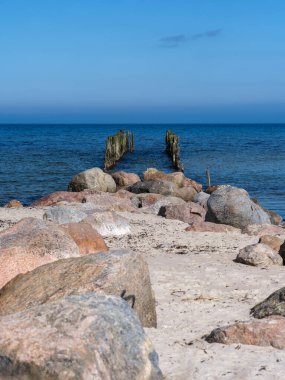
column 123, row 179
column 94, row 179
column 259, row 255
column 233, row 206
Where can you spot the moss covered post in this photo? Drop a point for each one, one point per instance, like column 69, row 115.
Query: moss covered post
column 173, row 150
column 116, row 146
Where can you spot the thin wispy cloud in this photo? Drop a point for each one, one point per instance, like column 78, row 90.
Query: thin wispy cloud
column 173, row 41
column 180, row 39
column 208, row 34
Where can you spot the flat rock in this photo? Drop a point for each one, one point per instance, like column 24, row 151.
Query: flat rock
column 266, row 332
column 121, row 273
column 273, row 305
column 59, row 196
column 85, row 236
column 233, row 206
column 259, row 255
column 94, row 179
column 111, row 202
column 70, row 213
column 263, row 229
column 188, row 213
column 31, row 243
column 109, row 223
column 202, row 226
column 154, row 186
column 90, row 336
column 166, row 188
column 123, row 179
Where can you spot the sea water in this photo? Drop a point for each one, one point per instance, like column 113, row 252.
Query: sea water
column 39, row 159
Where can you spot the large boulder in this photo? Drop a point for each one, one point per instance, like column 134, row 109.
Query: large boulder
column 189, row 212
column 85, row 236
column 59, row 196
column 272, row 305
column 31, row 243
column 120, row 273
column 91, row 336
column 109, row 223
column 94, row 179
column 201, row 226
column 259, row 255
column 233, row 206
column 266, row 332
column 124, row 179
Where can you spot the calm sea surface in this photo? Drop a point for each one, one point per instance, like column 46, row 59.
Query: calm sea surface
column 37, row 160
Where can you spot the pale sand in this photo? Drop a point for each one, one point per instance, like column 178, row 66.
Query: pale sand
column 198, row 287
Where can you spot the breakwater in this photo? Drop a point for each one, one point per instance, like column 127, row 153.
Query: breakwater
column 116, row 147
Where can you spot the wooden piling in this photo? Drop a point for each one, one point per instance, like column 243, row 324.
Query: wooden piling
column 116, row 146
column 173, row 149
column 208, row 177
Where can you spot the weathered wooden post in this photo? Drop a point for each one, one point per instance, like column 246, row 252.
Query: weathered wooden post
column 208, row 176
column 116, row 146
column 173, row 149
column 131, row 142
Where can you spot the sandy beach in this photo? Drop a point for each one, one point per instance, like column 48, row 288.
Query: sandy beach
column 198, row 287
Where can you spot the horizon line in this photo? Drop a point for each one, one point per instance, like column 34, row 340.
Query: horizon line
column 149, row 123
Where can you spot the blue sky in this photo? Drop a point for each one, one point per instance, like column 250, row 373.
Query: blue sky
column 142, row 61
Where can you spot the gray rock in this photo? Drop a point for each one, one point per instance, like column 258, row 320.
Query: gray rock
column 275, row 218
column 259, row 255
column 187, row 213
column 109, row 223
column 94, row 179
column 273, row 305
column 74, row 212
column 232, row 206
column 202, row 199
column 115, row 273
column 79, row 337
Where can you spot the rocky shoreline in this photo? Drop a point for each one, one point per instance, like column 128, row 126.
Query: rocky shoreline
column 101, row 270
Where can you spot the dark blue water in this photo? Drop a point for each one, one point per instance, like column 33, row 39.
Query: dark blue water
column 37, row 160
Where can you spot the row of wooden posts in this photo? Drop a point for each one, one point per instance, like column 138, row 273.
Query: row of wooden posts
column 123, row 141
